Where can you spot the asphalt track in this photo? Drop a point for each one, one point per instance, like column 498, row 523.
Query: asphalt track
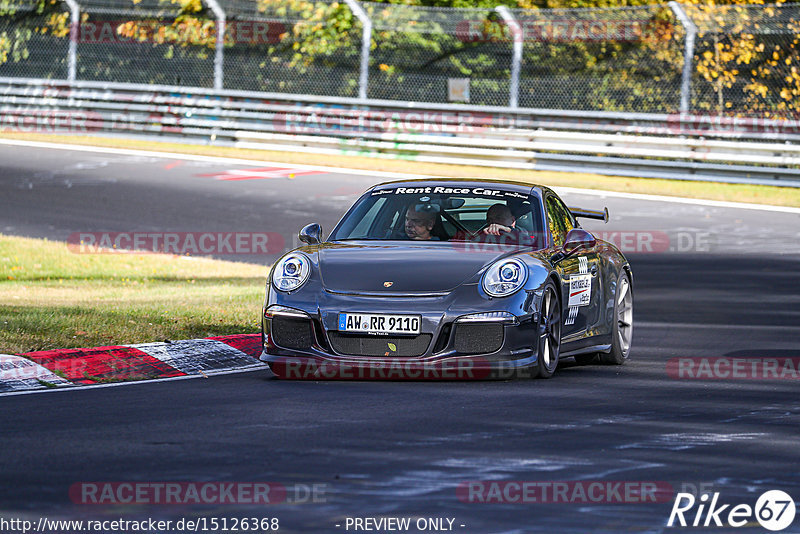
column 727, row 285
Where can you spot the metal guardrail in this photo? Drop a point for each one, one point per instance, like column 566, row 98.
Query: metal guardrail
column 677, row 146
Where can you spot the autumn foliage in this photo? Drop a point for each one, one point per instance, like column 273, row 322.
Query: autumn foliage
column 745, row 60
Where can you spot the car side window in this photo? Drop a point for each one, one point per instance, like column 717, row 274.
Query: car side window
column 559, row 220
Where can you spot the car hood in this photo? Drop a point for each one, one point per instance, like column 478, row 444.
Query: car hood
column 364, row 267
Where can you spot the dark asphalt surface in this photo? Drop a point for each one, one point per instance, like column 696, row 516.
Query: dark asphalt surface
column 395, row 449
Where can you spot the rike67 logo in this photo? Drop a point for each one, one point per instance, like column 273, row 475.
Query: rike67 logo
column 774, row 510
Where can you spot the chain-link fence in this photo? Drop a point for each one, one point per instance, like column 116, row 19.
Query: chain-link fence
column 746, row 58
column 741, row 59
column 34, row 39
column 426, row 54
column 146, row 41
column 624, row 59
column 290, row 47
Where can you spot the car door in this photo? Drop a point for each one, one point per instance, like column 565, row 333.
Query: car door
column 580, row 274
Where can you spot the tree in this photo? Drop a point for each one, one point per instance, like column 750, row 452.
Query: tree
column 21, row 25
column 747, row 54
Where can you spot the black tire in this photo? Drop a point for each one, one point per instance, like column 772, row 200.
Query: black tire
column 622, row 329
column 548, row 332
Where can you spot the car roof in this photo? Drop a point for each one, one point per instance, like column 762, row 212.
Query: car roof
column 521, row 187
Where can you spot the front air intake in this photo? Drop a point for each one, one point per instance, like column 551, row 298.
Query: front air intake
column 478, row 338
column 292, row 332
column 385, row 346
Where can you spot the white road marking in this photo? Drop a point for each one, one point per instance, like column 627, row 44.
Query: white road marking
column 384, row 174
column 254, row 367
column 206, row 159
column 198, row 356
column 743, row 327
column 19, row 374
column 677, row 200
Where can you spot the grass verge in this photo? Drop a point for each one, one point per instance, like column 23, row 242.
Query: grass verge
column 760, row 194
column 53, row 298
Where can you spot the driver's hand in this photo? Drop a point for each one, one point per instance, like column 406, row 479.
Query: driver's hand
column 496, row 229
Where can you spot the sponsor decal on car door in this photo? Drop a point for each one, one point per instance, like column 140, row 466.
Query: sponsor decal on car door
column 583, row 286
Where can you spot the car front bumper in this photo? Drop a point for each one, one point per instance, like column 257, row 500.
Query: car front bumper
column 459, row 343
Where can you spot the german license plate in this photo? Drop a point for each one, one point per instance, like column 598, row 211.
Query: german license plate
column 379, row 323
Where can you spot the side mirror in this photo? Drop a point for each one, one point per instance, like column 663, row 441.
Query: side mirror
column 311, row 234
column 578, row 239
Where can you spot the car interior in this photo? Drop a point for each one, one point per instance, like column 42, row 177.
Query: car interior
column 459, row 217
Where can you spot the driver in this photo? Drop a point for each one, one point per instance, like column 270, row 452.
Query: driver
column 419, row 224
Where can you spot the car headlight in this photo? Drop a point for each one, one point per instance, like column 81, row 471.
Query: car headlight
column 504, row 277
column 291, row 272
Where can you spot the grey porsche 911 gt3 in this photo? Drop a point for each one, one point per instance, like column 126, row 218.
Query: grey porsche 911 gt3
column 447, row 279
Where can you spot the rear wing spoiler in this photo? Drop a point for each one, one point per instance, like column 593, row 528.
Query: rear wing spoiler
column 590, row 214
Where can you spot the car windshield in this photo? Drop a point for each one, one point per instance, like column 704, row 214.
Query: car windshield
column 444, row 213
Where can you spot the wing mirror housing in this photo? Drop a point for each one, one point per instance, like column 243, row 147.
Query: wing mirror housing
column 311, row 234
column 577, row 239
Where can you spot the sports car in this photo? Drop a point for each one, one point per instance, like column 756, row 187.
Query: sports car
column 448, row 279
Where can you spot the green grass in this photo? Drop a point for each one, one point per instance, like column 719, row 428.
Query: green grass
column 760, row 194
column 52, row 298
